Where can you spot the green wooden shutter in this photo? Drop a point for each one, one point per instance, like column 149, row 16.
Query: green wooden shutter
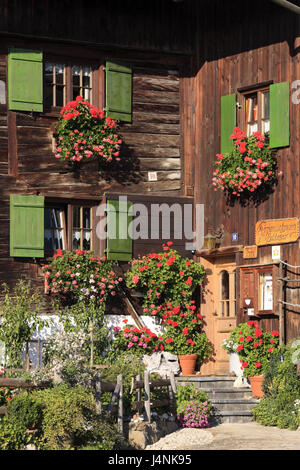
column 119, row 241
column 118, row 91
column 25, row 80
column 280, row 115
column 228, row 121
column 27, row 226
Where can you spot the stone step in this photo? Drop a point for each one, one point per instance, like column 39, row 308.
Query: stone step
column 212, row 382
column 234, row 405
column 227, row 393
column 232, row 417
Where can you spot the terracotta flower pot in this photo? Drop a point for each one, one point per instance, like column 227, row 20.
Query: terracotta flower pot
column 256, row 385
column 187, row 363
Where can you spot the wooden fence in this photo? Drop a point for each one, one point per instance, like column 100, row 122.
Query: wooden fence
column 138, row 385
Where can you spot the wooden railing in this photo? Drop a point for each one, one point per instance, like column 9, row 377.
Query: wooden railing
column 138, row 385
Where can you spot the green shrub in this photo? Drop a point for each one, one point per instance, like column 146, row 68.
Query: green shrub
column 66, row 414
column 279, row 406
column 25, row 411
column 13, row 435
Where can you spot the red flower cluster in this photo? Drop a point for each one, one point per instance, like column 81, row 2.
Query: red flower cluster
column 81, row 276
column 247, row 167
column 254, row 347
column 84, row 132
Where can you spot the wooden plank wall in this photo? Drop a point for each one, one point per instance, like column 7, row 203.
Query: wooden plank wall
column 151, row 143
column 146, row 25
column 240, row 44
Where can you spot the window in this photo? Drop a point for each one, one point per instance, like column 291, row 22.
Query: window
column 59, row 88
column 257, row 112
column 266, row 291
column 264, row 108
column 258, row 286
column 227, row 294
column 55, row 85
column 81, row 228
column 82, row 82
column 68, row 227
column 39, row 84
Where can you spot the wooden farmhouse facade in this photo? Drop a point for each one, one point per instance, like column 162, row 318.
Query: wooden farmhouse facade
column 179, row 76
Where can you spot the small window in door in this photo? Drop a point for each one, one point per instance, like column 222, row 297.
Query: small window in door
column 265, row 291
column 225, row 294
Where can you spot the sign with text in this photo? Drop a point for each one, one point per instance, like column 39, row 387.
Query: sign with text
column 276, row 231
column 250, row 252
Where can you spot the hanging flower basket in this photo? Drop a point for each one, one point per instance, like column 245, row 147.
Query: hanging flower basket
column 250, row 170
column 84, row 133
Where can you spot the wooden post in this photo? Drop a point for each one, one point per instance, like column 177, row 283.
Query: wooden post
column 39, row 353
column 120, row 405
column 98, row 394
column 27, row 362
column 147, row 396
column 280, row 307
column 92, row 344
column 173, row 383
column 138, row 391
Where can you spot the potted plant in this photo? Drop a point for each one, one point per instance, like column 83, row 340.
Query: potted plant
column 249, row 170
column 85, row 133
column 183, row 335
column 255, row 348
column 234, row 362
column 164, row 279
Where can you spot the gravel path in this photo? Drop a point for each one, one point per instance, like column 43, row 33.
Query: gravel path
column 183, row 439
column 227, row 436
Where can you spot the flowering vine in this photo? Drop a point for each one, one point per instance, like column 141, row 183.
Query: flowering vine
column 250, row 166
column 85, row 133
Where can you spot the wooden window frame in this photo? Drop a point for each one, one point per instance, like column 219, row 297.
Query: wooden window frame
column 68, row 228
column 259, row 92
column 97, row 80
column 257, row 271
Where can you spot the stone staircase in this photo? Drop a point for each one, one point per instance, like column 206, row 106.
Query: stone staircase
column 232, row 405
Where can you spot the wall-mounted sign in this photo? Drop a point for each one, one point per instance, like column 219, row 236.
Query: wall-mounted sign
column 234, row 237
column 276, row 231
column 250, row 252
column 276, row 252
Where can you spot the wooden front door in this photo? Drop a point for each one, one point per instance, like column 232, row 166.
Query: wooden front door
column 218, row 309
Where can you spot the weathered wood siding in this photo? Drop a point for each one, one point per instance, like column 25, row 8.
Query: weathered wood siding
column 241, row 44
column 161, row 25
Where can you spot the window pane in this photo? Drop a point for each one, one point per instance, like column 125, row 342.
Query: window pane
column 49, row 73
column 60, row 74
column 76, row 92
column 76, row 217
column 48, row 88
column 224, row 285
column 76, row 239
column 86, row 240
column 252, row 128
column 76, row 75
column 59, row 96
column 86, row 217
column 266, row 291
column 86, row 93
column 266, row 104
column 266, row 126
column 86, row 77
